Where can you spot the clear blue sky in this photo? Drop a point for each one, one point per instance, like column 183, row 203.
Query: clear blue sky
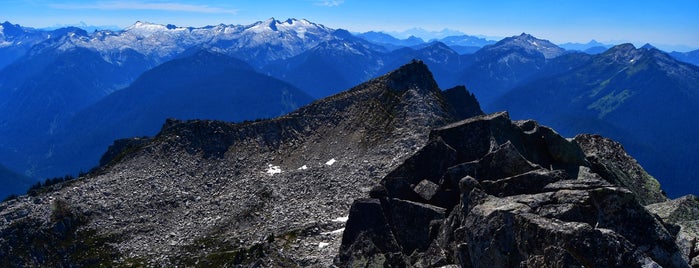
column 659, row 22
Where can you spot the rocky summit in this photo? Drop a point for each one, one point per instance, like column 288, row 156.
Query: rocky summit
column 491, row 192
column 394, row 172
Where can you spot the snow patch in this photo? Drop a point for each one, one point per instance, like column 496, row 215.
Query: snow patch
column 341, row 219
column 331, row 162
column 272, row 169
column 323, row 244
column 338, row 231
column 304, row 167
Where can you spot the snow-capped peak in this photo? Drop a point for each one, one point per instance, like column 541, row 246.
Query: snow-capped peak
column 263, row 26
column 278, row 39
column 274, row 25
column 146, row 28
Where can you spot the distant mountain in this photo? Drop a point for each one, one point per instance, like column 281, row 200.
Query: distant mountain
column 84, row 26
column 346, row 60
column 497, row 68
column 340, row 63
column 530, row 44
column 389, row 41
column 463, row 44
column 331, row 66
column 425, row 34
column 688, row 57
column 593, row 44
column 41, row 91
column 637, row 96
column 465, row 41
column 203, row 85
column 595, row 50
column 16, row 40
column 446, row 64
column 257, row 43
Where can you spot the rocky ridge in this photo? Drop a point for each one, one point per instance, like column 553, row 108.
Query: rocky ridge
column 491, row 192
column 204, row 193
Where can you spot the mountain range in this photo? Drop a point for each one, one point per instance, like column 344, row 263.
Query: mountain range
column 688, row 57
column 56, row 81
column 394, row 172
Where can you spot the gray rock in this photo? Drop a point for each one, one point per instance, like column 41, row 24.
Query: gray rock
column 426, row 189
column 529, row 182
column 435, row 156
column 609, row 159
column 682, row 212
column 368, row 222
column 528, row 198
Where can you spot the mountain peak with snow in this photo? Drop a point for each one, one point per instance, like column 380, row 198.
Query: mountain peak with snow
column 290, row 24
column 141, row 27
column 530, row 44
column 260, row 42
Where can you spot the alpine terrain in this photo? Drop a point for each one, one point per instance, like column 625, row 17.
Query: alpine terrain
column 393, row 172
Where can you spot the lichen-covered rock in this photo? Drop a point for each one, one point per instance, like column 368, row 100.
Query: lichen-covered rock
column 684, row 213
column 608, row 159
column 527, row 198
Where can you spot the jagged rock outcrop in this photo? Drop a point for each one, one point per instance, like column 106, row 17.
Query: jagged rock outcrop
column 266, row 193
column 682, row 212
column 609, row 159
column 490, row 192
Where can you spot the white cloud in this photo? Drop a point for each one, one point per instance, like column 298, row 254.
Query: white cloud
column 329, row 3
column 127, row 5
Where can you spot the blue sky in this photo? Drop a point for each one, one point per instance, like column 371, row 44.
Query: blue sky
column 669, row 24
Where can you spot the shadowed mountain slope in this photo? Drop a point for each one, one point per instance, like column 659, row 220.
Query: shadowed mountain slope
column 641, row 97
column 203, row 85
